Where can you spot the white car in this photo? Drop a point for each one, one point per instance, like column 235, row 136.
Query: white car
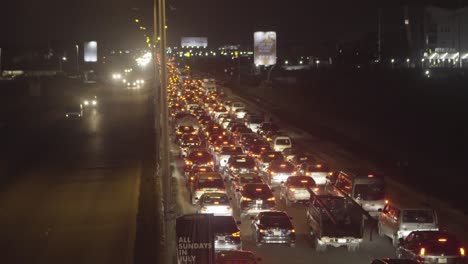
column 295, row 189
column 236, row 105
column 240, row 113
column 210, row 182
column 216, row 203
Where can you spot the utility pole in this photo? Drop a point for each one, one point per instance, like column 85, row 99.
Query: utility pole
column 379, row 35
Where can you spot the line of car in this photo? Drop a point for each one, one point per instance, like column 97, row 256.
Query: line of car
column 234, row 161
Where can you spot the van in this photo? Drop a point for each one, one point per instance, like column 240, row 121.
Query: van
column 279, row 143
column 365, row 188
column 397, row 221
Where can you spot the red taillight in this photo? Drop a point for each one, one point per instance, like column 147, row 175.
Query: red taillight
column 462, row 252
column 422, row 252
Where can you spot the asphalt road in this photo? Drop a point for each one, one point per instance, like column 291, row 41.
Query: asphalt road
column 337, row 158
column 71, row 192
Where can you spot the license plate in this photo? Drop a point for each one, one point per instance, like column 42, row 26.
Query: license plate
column 277, row 232
column 442, row 260
column 341, row 240
column 222, row 238
column 259, row 202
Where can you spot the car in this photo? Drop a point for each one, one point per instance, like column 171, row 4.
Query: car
column 266, row 157
column 238, row 182
column 227, row 235
column 319, row 171
column 240, row 113
column 396, row 221
column 200, row 158
column 194, row 171
column 290, row 153
column 255, row 198
column 183, row 130
column 214, row 129
column 187, row 141
column 273, row 227
column 431, row 247
column 301, row 157
column 239, row 164
column 236, row 256
column 90, row 102
column 278, row 171
column 206, row 182
column 266, row 127
column 74, row 111
column 216, row 203
column 296, row 189
column 233, row 106
column 257, row 149
column 254, row 122
column 225, row 153
column 219, row 110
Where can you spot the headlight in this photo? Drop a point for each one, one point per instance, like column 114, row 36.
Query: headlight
column 66, row 115
column 94, row 102
column 86, row 102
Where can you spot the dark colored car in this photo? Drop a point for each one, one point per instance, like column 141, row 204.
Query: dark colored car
column 273, row 227
column 255, row 198
column 394, row 261
column 258, row 149
column 236, row 257
column 227, row 233
column 265, row 127
column 432, row 247
column 183, row 130
column 278, row 171
column 242, row 179
column 239, row 164
column 200, row 158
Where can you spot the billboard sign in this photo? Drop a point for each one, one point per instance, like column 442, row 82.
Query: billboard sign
column 194, row 42
column 195, row 239
column 90, row 51
column 265, row 48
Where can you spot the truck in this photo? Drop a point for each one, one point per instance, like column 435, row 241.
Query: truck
column 209, row 85
column 334, row 221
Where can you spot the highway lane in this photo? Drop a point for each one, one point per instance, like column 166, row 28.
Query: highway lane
column 338, row 158
column 75, row 199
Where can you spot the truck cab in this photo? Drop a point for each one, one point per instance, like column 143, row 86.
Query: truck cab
column 333, row 221
column 365, row 188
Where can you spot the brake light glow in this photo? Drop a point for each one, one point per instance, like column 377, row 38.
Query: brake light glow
column 318, row 165
column 442, row 240
column 462, row 252
column 246, row 199
column 236, row 234
column 216, row 203
column 292, row 189
column 370, row 176
column 271, row 199
column 304, row 181
column 293, row 230
column 386, row 201
column 203, row 209
column 422, row 252
column 258, row 189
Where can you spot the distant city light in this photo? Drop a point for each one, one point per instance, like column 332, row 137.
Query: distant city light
column 144, row 60
column 64, row 58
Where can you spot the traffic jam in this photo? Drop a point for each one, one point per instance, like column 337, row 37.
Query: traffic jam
column 241, row 166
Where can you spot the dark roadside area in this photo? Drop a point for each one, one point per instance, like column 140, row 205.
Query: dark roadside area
column 29, row 113
column 412, row 126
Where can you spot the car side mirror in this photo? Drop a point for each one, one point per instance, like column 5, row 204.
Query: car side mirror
column 401, row 240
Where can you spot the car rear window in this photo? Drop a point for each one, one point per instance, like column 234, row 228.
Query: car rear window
column 231, row 150
column 250, row 179
column 224, row 224
column 243, row 162
column 418, row 216
column 281, row 221
column 210, row 183
column 216, row 199
column 301, row 181
column 283, row 142
column 257, row 190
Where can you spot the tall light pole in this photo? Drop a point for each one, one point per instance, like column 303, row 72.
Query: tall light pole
column 77, row 59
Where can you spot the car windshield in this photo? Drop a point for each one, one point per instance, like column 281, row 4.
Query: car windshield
column 256, row 120
column 369, row 191
column 418, row 216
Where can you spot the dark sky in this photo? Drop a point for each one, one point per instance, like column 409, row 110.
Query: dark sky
column 31, row 22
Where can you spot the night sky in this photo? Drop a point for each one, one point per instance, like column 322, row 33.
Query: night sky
column 32, row 22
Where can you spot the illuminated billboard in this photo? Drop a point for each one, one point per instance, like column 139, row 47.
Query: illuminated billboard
column 194, row 42
column 265, row 48
column 90, row 51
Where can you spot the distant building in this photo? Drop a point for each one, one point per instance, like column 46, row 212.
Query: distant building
column 445, row 37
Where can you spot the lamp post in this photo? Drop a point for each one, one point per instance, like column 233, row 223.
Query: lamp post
column 77, row 59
